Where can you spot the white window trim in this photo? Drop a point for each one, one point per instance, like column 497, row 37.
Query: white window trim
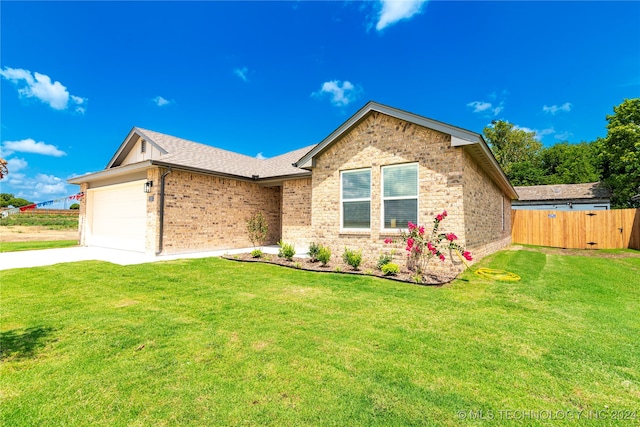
column 382, row 198
column 355, row 230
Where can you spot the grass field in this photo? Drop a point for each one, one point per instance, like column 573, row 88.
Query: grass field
column 28, row 246
column 214, row 342
column 53, row 222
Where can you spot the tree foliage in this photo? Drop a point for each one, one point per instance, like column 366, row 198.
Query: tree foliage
column 620, row 153
column 4, row 171
column 516, row 150
column 566, row 163
column 7, row 199
column 526, row 162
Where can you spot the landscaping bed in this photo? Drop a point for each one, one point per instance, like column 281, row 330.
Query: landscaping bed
column 337, row 265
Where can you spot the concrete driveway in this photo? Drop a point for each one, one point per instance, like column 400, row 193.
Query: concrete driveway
column 26, row 259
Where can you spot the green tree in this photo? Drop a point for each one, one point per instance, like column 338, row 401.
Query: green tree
column 75, row 206
column 619, row 153
column 7, row 199
column 516, row 150
column 566, row 163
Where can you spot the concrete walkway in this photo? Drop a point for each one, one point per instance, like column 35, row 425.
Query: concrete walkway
column 26, row 259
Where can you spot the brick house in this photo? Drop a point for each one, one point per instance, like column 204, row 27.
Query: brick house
column 380, row 169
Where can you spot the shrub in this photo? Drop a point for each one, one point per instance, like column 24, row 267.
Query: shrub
column 257, row 228
column 324, row 255
column 75, row 206
column 353, row 258
column 297, row 265
column 286, row 250
column 256, row 253
column 384, row 260
column 390, row 269
column 313, row 251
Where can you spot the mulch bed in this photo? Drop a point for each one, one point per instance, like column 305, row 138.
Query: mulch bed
column 338, row 266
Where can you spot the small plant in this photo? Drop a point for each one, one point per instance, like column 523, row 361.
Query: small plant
column 353, row 258
column 384, row 259
column 314, row 249
column 256, row 253
column 257, row 228
column 286, row 251
column 417, row 278
column 368, row 272
column 324, row 255
column 297, row 265
column 390, row 269
column 338, row 269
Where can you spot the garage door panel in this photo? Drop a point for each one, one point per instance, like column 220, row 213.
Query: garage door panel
column 118, row 216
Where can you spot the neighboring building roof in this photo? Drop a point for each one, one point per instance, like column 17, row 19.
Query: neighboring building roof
column 589, row 191
column 472, row 142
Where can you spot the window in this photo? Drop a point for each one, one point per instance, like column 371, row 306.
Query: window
column 356, row 199
column 399, row 195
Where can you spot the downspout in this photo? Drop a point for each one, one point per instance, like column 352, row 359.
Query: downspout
column 161, row 231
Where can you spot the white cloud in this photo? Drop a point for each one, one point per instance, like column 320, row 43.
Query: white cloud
column 340, row 93
column 242, row 73
column 393, row 11
column 160, row 101
column 566, row 107
column 479, row 106
column 41, row 87
column 563, row 136
column 260, row 156
column 486, row 107
column 40, row 188
column 539, row 133
column 31, row 146
column 16, row 164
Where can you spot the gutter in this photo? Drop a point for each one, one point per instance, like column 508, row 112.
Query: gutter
column 161, row 231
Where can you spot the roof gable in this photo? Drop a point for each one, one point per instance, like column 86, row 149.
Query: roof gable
column 472, row 142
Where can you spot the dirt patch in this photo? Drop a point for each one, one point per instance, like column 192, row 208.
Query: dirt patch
column 338, row 266
column 22, row 233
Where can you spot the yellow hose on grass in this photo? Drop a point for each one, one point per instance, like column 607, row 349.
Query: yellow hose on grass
column 491, row 273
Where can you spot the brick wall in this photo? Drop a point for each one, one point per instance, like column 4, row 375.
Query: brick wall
column 296, row 212
column 377, row 141
column 82, row 218
column 487, row 211
column 204, row 212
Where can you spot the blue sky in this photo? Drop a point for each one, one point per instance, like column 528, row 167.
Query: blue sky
column 264, row 78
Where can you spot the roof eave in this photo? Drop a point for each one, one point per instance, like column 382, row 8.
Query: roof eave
column 111, row 173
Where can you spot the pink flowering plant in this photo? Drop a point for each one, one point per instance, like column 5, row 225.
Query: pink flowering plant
column 421, row 245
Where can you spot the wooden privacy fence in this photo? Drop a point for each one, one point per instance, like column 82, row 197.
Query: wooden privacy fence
column 610, row 229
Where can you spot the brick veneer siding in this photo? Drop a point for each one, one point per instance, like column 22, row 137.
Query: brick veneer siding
column 82, row 215
column 296, row 212
column 205, row 212
column 487, row 211
column 377, row 141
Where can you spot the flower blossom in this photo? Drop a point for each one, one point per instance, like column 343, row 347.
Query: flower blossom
column 451, row 237
column 467, row 255
column 421, row 230
column 439, row 218
column 411, row 226
column 388, row 240
column 441, row 257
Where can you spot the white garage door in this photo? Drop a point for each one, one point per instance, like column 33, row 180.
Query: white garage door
column 117, row 216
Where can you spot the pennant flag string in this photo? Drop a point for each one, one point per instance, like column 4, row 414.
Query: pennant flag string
column 11, row 211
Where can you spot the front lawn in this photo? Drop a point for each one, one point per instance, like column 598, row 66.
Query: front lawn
column 215, row 342
column 29, row 246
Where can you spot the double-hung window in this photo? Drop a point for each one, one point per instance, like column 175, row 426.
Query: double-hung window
column 399, row 195
column 355, row 199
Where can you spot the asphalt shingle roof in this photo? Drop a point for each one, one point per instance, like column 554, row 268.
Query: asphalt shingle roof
column 591, row 190
column 182, row 152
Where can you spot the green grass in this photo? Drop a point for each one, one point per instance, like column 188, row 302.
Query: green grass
column 215, row 342
column 53, row 222
column 28, row 246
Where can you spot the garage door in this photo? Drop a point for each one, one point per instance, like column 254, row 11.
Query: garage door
column 117, row 216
